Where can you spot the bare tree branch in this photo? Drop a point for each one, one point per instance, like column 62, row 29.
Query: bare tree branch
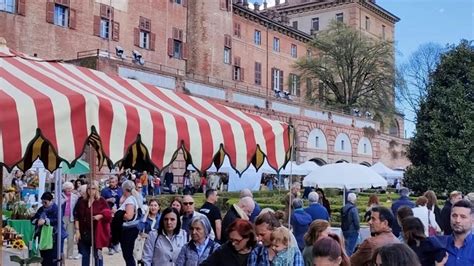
column 414, row 76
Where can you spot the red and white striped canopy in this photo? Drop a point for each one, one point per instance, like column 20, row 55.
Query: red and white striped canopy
column 69, row 103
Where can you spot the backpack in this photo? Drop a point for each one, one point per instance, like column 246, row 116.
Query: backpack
column 345, row 223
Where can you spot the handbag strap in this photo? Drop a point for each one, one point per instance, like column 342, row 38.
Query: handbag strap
column 429, row 220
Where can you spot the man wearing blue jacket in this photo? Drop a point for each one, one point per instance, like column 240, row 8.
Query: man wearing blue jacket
column 316, row 210
column 404, row 200
column 350, row 224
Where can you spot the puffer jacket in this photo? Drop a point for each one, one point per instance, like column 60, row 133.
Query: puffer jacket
column 189, row 255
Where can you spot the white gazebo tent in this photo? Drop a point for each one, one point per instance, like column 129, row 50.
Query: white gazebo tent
column 344, row 176
column 386, row 172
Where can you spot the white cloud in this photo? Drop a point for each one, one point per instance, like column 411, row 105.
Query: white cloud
column 441, row 10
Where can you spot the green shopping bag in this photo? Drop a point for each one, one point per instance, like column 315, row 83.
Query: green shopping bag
column 46, row 238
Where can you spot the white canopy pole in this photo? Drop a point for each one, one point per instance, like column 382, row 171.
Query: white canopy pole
column 58, row 189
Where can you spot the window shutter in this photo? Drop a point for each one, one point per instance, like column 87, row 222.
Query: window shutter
column 152, row 41
column 141, row 23
column 136, row 37
column 96, row 25
column 21, row 7
column 290, row 82
column 241, row 74
column 147, row 24
column 298, row 86
column 170, row 47
column 50, row 12
column 281, row 80
column 106, row 11
column 184, row 3
column 273, row 78
column 227, row 41
column 238, row 30
column 72, row 18
column 115, row 31
column 185, row 51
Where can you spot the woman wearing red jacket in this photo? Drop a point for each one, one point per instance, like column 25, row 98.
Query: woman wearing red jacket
column 92, row 208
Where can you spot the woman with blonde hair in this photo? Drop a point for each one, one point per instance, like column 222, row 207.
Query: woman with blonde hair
column 92, row 218
column 317, row 230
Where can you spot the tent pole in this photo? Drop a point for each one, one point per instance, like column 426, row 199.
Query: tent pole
column 58, row 189
column 344, row 196
column 92, row 221
column 292, row 157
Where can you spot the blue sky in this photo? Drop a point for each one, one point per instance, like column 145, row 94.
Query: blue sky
column 423, row 21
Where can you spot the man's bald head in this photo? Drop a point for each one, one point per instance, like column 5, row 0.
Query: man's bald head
column 246, row 193
column 247, row 205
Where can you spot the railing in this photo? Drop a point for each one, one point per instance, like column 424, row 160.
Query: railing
column 148, row 64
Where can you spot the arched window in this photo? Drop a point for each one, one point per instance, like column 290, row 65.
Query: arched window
column 364, row 147
column 343, row 143
column 394, row 128
column 317, row 139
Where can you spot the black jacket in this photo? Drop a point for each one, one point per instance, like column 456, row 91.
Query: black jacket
column 226, row 255
column 428, row 252
column 445, row 218
column 116, row 226
column 229, row 218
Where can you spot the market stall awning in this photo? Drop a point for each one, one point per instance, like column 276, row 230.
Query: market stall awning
column 52, row 110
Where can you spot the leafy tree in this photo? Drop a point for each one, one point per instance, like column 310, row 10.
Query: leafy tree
column 355, row 70
column 442, row 149
column 413, row 76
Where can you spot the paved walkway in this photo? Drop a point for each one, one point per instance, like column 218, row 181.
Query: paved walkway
column 114, row 260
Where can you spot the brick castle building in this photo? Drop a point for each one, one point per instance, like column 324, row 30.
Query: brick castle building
column 234, row 53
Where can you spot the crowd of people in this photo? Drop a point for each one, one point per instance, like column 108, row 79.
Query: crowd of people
column 410, row 233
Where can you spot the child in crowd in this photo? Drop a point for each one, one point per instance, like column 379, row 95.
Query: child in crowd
column 281, row 241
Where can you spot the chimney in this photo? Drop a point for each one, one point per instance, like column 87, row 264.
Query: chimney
column 256, row 6
column 277, row 2
column 246, row 3
column 264, row 4
column 239, row 2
